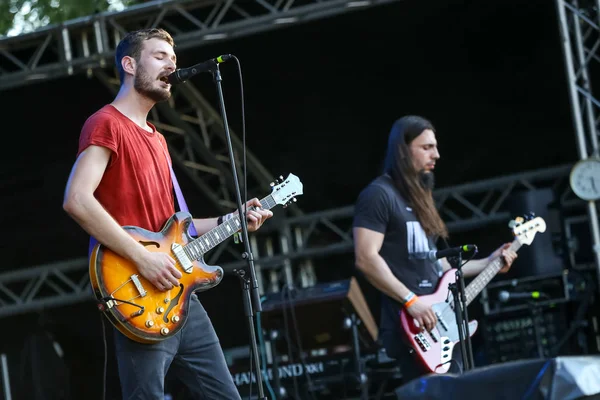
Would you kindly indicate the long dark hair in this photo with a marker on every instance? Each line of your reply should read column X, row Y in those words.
column 399, row 166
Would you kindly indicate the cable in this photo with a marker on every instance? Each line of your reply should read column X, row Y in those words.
column 105, row 358
column 245, row 199
column 243, row 112
column 300, row 349
column 250, row 384
column 261, row 343
column 288, row 339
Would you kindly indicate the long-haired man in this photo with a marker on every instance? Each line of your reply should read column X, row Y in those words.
column 396, row 225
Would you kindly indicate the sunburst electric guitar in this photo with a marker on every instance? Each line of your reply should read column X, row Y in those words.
column 135, row 306
column 434, row 349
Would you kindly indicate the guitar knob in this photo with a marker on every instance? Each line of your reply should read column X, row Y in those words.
column 149, row 324
column 164, row 331
column 160, row 310
column 175, row 319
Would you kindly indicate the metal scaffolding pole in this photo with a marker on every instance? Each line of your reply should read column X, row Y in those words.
column 580, row 39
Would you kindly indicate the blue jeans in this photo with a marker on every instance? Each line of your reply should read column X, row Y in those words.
column 194, row 354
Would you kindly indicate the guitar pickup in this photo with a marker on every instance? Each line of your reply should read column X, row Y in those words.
column 441, row 321
column 182, row 258
column 433, row 336
column 138, row 285
column 422, row 341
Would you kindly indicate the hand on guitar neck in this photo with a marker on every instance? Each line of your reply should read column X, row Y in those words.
column 507, row 254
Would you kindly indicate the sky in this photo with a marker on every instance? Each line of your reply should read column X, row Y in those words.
column 320, row 100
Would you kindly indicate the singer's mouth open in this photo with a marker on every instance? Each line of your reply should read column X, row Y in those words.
column 165, row 79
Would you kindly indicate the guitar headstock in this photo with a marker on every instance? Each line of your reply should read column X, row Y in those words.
column 284, row 191
column 525, row 228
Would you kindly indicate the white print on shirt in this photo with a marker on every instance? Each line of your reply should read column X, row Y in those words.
column 418, row 245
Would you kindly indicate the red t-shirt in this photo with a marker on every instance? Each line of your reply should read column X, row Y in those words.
column 136, row 188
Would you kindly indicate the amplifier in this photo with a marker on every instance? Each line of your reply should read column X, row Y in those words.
column 320, row 316
column 518, row 294
column 523, row 334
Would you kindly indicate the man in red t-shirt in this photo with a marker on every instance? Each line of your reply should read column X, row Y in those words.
column 122, row 177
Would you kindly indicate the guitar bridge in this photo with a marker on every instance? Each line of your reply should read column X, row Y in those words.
column 138, row 285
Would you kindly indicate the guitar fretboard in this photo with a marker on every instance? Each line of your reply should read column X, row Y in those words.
column 198, row 247
column 477, row 285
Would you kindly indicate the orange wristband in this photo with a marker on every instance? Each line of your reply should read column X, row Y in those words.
column 411, row 301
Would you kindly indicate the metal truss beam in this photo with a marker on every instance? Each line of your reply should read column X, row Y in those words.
column 284, row 251
column 87, row 43
column 579, row 22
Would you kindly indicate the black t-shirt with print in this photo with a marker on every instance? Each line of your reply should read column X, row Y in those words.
column 405, row 248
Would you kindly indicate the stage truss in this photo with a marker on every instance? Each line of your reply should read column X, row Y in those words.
column 580, row 38
column 285, row 249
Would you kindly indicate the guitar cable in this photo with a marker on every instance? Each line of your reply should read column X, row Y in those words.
column 105, row 357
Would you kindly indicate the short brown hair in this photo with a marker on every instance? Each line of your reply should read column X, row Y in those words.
column 131, row 45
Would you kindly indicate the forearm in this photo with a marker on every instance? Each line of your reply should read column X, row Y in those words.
column 96, row 221
column 378, row 273
column 474, row 267
column 204, row 225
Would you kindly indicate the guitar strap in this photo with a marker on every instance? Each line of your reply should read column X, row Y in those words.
column 178, row 195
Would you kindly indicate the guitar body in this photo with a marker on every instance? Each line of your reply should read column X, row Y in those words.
column 434, row 349
column 134, row 305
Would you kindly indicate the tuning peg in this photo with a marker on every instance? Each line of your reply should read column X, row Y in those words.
column 530, row 216
column 512, row 224
column 294, row 199
column 281, row 178
column 272, row 184
column 519, row 220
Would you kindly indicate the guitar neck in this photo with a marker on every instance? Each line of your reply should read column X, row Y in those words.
column 198, row 247
column 489, row 272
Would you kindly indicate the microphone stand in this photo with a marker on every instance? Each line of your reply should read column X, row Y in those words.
column 251, row 296
column 462, row 318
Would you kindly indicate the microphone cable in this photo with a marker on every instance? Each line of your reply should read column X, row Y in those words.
column 243, row 114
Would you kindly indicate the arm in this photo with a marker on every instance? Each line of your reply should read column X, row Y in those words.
column 367, row 244
column 474, row 267
column 255, row 218
column 81, row 204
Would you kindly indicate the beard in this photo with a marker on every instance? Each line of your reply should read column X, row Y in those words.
column 427, row 180
column 144, row 84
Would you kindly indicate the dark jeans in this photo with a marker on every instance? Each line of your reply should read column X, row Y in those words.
column 194, row 355
column 407, row 360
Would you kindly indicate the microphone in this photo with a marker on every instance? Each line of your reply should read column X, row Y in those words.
column 452, row 251
column 504, row 296
column 183, row 74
